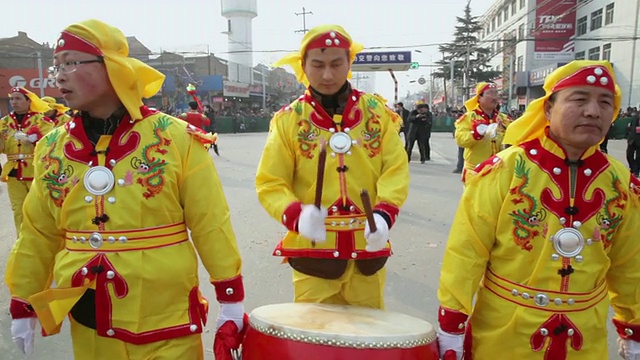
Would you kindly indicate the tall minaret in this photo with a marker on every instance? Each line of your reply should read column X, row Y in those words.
column 239, row 14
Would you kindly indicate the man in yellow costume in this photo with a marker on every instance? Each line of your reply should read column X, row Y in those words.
column 545, row 236
column 335, row 257
column 57, row 112
column 113, row 195
column 19, row 132
column 481, row 129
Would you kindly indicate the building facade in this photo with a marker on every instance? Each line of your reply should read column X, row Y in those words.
column 528, row 39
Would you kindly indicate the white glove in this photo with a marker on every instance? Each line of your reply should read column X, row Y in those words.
column 32, row 138
column 481, row 129
column 20, row 136
column 233, row 312
column 492, row 130
column 378, row 240
column 629, row 349
column 447, row 341
column 311, row 223
column 22, row 332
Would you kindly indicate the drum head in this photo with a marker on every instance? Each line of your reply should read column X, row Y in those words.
column 342, row 325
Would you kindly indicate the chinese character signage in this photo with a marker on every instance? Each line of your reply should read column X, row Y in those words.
column 390, row 57
column 555, row 30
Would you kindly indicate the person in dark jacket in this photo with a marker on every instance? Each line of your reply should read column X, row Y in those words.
column 405, row 125
column 633, row 143
column 420, row 122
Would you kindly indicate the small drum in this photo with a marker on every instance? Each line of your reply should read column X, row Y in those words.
column 334, row 332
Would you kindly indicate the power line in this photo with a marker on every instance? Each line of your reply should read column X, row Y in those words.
column 304, row 14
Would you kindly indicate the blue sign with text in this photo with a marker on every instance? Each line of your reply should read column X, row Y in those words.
column 388, row 57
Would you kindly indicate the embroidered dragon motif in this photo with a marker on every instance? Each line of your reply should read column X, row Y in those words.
column 150, row 167
column 530, row 216
column 307, row 138
column 372, row 139
column 59, row 179
column 610, row 217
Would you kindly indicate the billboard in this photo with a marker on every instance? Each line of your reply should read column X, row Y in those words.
column 28, row 78
column 555, row 30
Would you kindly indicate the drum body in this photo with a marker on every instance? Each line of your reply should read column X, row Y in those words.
column 302, row 331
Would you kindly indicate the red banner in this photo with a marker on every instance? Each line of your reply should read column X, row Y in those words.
column 28, row 78
column 555, row 29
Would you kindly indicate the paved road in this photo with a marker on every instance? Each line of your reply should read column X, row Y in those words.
column 419, row 238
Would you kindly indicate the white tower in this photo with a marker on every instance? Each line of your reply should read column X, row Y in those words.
column 239, row 14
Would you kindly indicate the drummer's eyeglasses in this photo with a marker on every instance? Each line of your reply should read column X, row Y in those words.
column 68, row 67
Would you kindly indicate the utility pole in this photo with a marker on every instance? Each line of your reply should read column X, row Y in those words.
column 444, row 83
column 40, row 73
column 633, row 53
column 510, row 81
column 453, row 88
column 304, row 14
column 466, row 65
column 264, row 90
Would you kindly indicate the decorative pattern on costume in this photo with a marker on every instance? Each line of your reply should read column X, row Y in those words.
column 307, row 138
column 557, row 330
column 58, row 178
column 530, row 216
column 634, row 187
column 610, row 217
column 298, row 107
column 371, row 134
column 150, row 168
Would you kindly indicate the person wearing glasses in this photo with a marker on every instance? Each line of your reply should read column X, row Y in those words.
column 19, row 132
column 114, row 192
column 480, row 130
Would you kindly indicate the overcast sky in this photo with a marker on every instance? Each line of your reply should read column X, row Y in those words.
column 192, row 25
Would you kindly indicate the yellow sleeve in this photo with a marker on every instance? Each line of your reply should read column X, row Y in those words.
column 274, row 177
column 393, row 183
column 472, row 237
column 464, row 136
column 30, row 263
column 207, row 214
column 623, row 276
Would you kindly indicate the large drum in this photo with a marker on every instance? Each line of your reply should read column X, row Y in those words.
column 305, row 331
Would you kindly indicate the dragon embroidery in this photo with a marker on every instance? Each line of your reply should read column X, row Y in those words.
column 307, row 138
column 610, row 217
column 58, row 177
column 372, row 139
column 150, row 167
column 530, row 215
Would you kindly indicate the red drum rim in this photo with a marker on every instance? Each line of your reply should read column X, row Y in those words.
column 394, row 330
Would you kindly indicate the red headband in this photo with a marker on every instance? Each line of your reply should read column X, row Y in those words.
column 588, row 76
column 487, row 86
column 68, row 41
column 330, row 39
column 20, row 90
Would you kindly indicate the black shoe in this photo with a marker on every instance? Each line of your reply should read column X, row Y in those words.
column 457, row 171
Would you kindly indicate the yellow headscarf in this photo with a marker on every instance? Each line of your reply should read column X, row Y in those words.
column 37, row 105
column 131, row 78
column 480, row 88
column 53, row 105
column 294, row 59
column 533, row 122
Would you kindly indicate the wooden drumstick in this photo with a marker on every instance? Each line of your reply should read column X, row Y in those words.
column 366, row 203
column 320, row 179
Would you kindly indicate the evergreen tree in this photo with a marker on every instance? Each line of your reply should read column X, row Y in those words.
column 466, row 43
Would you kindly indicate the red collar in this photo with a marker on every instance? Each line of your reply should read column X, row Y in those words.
column 351, row 116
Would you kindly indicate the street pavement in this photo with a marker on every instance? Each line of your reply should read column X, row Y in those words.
column 419, row 239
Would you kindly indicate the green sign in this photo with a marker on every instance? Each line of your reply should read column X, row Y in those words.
column 414, row 65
